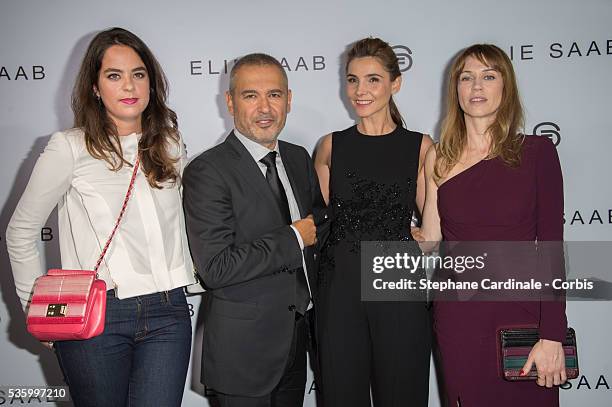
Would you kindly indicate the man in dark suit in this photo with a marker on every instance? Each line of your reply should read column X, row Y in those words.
column 249, row 205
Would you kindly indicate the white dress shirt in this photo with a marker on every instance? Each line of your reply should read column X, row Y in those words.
column 258, row 152
column 149, row 252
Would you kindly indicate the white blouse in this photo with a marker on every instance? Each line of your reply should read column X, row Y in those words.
column 149, row 252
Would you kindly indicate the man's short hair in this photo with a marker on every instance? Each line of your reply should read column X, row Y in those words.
column 257, row 59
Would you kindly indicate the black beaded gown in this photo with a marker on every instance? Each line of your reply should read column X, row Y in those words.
column 382, row 346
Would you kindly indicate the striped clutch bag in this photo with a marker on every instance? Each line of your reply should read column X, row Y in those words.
column 515, row 345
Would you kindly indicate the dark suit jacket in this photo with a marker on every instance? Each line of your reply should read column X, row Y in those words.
column 247, row 257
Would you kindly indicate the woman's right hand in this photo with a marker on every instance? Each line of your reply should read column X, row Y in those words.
column 47, row 344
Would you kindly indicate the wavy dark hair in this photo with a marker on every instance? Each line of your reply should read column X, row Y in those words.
column 506, row 130
column 159, row 123
column 381, row 50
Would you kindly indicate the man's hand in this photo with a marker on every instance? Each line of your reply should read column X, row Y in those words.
column 307, row 230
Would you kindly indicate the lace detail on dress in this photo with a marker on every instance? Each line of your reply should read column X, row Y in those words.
column 375, row 211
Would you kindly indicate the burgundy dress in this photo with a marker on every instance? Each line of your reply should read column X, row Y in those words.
column 494, row 202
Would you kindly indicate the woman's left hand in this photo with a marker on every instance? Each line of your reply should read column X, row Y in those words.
column 549, row 359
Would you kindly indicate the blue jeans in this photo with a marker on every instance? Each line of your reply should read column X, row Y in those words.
column 141, row 359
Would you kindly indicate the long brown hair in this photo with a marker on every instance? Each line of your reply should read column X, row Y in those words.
column 379, row 49
column 159, row 124
column 505, row 131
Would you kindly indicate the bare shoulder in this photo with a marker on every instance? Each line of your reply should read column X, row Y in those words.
column 324, row 147
column 326, row 142
column 431, row 153
column 426, row 142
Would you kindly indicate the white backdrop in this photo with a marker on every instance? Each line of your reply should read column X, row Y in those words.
column 561, row 49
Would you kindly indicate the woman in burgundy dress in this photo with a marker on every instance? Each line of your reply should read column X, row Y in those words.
column 487, row 182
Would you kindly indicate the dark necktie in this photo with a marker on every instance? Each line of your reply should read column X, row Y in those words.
column 276, row 185
column 302, row 293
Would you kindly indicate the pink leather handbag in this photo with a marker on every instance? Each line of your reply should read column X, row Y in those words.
column 71, row 304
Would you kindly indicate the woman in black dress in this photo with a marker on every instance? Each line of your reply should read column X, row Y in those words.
column 371, row 178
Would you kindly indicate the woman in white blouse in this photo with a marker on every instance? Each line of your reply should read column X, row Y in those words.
column 119, row 104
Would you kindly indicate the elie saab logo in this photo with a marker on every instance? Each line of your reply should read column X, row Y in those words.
column 210, row 67
column 562, row 50
column 587, row 217
column 404, row 57
column 22, row 73
column 550, row 130
column 587, row 383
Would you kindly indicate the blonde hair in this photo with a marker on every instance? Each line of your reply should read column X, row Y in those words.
column 505, row 131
